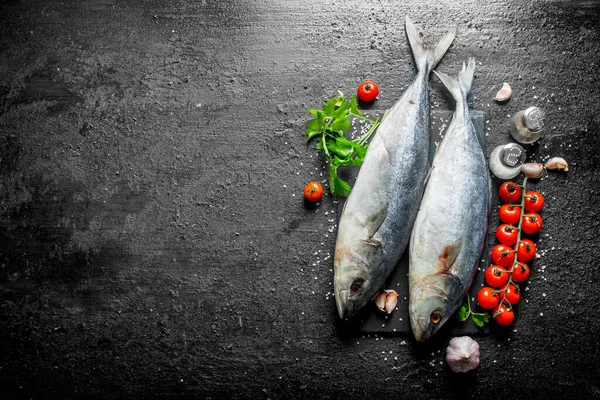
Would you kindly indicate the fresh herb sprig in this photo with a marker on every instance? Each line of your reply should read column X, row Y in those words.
column 464, row 312
column 329, row 128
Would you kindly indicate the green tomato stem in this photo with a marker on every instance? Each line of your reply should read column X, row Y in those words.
column 515, row 261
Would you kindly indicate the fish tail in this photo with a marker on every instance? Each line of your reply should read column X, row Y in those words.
column 425, row 57
column 460, row 86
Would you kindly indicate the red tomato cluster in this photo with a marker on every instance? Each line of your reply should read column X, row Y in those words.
column 509, row 256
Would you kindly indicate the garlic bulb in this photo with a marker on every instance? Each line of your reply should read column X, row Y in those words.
column 462, row 354
column 532, row 170
column 557, row 163
column 386, row 301
column 504, row 93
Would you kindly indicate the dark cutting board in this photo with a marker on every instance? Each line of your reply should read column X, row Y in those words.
column 371, row 320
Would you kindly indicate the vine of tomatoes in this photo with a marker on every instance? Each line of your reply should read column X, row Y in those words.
column 520, row 216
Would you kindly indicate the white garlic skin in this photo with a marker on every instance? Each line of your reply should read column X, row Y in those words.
column 557, row 163
column 386, row 300
column 532, row 170
column 504, row 93
column 462, row 354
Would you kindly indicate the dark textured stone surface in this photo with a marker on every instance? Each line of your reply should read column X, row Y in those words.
column 153, row 237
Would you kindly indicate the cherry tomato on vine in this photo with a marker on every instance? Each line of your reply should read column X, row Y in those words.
column 532, row 223
column 510, row 214
column 487, row 298
column 367, row 91
column 526, row 250
column 513, row 294
column 510, row 192
column 503, row 315
column 496, row 276
column 521, row 272
column 534, row 201
column 503, row 255
column 313, row 191
column 507, row 234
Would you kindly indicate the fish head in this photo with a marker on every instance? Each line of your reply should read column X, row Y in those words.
column 433, row 300
column 358, row 275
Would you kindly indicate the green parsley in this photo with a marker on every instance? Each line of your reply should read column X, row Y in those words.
column 465, row 312
column 329, row 127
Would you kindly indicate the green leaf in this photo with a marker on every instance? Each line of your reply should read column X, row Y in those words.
column 480, row 318
column 477, row 321
column 329, row 107
column 361, row 150
column 354, row 107
column 336, row 184
column 463, row 313
column 340, row 125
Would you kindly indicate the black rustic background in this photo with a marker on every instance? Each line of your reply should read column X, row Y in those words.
column 154, row 241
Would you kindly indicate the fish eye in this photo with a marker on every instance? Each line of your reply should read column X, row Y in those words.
column 435, row 317
column 356, row 285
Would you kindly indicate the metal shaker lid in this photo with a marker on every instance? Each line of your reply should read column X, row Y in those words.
column 533, row 118
column 506, row 160
column 512, row 155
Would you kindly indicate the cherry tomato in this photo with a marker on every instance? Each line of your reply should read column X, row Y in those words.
column 513, row 294
column 534, row 201
column 367, row 91
column 507, row 234
column 504, row 315
column 487, row 298
column 521, row 272
column 313, row 191
column 526, row 250
column 496, row 276
column 532, row 223
column 510, row 192
column 510, row 214
column 503, row 255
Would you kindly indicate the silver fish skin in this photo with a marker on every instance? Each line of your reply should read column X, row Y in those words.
column 449, row 233
column 378, row 215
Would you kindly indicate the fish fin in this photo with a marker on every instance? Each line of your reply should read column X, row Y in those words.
column 448, row 257
column 374, row 221
column 366, row 250
column 460, row 86
column 425, row 58
column 385, row 114
column 427, row 179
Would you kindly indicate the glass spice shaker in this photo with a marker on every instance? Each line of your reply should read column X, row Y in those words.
column 527, row 125
column 506, row 160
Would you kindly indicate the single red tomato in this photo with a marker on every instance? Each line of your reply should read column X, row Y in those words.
column 313, row 191
column 521, row 272
column 534, row 201
column 532, row 223
column 507, row 234
column 512, row 294
column 503, row 255
column 510, row 214
column 510, row 192
column 526, row 250
column 503, row 315
column 496, row 276
column 367, row 91
column 487, row 298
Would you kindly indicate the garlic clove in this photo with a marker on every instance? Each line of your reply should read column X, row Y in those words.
column 462, row 354
column 386, row 300
column 504, row 93
column 380, row 300
column 391, row 301
column 557, row 163
column 532, row 170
